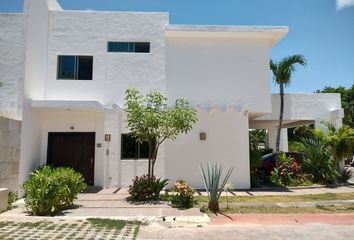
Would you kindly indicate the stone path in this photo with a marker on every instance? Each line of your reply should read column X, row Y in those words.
column 63, row 229
column 113, row 204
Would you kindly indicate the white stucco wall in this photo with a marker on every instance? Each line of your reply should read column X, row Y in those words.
column 137, row 167
column 87, row 33
column 226, row 144
column 219, row 70
column 11, row 65
column 310, row 106
column 205, row 69
column 10, row 132
column 81, row 121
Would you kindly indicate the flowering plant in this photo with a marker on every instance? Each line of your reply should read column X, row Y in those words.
column 183, row 194
column 146, row 188
column 290, row 173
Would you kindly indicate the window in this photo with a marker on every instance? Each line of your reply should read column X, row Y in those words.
column 75, row 67
column 131, row 149
column 136, row 47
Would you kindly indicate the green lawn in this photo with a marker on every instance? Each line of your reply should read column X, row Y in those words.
column 280, row 198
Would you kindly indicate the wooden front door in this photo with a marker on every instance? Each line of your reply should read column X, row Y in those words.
column 75, row 150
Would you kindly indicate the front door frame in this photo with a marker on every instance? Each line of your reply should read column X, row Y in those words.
column 92, row 163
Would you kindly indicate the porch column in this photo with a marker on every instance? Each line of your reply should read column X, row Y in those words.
column 272, row 138
column 112, row 148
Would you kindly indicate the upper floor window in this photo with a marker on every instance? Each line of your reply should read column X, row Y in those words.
column 137, row 47
column 75, row 67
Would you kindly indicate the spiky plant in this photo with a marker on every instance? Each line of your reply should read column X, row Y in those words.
column 213, row 184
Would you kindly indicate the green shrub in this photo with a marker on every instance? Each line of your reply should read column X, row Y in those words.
column 289, row 173
column 49, row 190
column 12, row 197
column 255, row 161
column 183, row 195
column 146, row 188
column 296, row 147
column 319, row 160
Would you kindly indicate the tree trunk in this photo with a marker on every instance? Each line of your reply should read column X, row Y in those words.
column 154, row 157
column 150, row 158
column 214, row 207
column 341, row 164
column 281, row 112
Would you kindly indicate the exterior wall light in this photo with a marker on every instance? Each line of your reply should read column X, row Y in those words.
column 107, row 137
column 202, row 136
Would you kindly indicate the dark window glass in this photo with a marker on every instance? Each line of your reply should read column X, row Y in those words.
column 131, row 149
column 137, row 47
column 75, row 67
column 144, row 150
column 118, row 47
column 85, row 68
column 142, row 47
column 66, row 68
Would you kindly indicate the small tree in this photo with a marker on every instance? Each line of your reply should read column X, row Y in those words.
column 150, row 120
column 341, row 141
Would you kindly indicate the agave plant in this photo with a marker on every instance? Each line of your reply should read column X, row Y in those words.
column 213, row 184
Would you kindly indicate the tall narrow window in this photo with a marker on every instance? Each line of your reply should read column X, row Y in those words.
column 75, row 67
column 136, row 47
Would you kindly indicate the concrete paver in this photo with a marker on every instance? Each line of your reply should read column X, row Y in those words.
column 39, row 229
column 242, row 232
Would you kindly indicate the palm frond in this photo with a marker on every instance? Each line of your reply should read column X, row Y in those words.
column 284, row 69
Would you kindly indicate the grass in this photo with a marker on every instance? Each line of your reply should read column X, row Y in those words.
column 109, row 223
column 278, row 198
column 289, row 210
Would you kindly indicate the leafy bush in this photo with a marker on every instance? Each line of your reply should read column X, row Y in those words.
column 212, row 184
column 319, row 161
column 183, row 195
column 255, row 161
column 12, row 197
column 49, row 190
column 296, row 147
column 290, row 174
column 147, row 188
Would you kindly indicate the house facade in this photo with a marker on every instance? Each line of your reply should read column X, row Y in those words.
column 73, row 67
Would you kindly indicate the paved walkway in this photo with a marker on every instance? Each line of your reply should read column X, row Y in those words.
column 312, row 231
column 276, row 219
column 112, row 203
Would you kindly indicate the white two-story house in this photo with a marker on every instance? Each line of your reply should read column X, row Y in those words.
column 73, row 67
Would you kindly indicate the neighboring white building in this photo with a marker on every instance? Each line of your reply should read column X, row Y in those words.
column 222, row 70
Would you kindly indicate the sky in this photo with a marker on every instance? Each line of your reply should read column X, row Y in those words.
column 321, row 30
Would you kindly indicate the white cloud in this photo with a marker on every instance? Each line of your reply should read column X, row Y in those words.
column 344, row 4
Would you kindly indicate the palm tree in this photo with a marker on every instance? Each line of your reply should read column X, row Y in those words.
column 342, row 142
column 282, row 72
